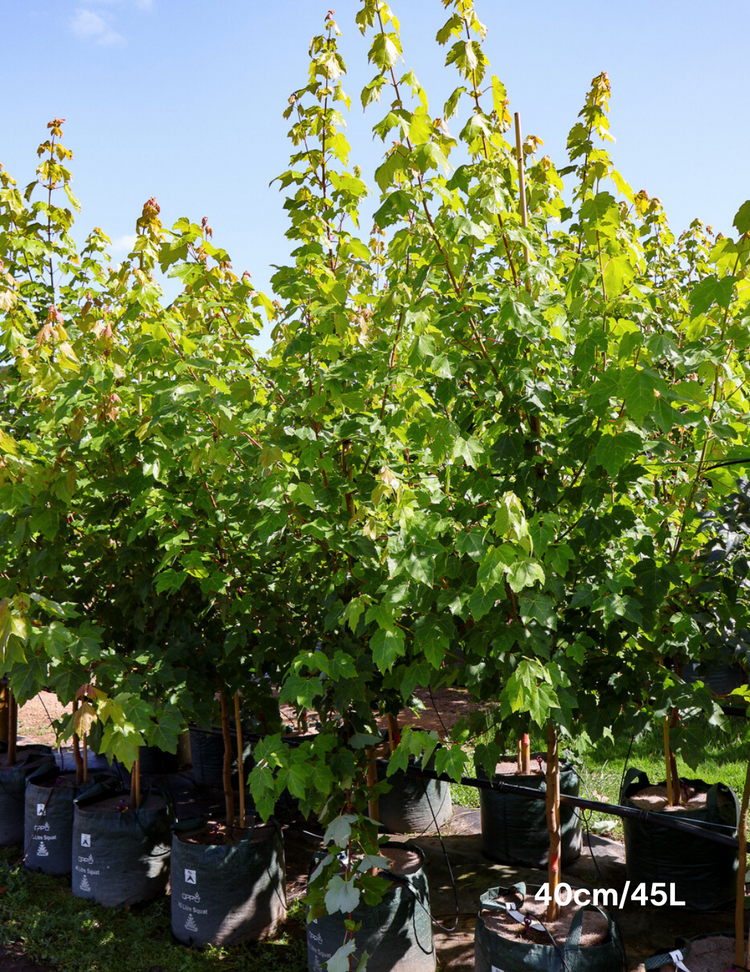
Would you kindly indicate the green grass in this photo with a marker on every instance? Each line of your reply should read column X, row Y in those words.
column 602, row 769
column 53, row 927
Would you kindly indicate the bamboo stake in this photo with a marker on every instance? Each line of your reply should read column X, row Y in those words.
column 521, row 180
column 667, row 753
column 676, row 789
column 4, row 711
column 518, row 757
column 12, row 728
column 392, row 732
column 77, row 751
column 240, row 762
column 135, row 785
column 227, row 771
column 525, row 755
column 739, row 906
column 553, row 820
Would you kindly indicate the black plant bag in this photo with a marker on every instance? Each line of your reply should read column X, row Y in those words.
column 493, row 953
column 396, row 933
column 514, row 828
column 224, row 894
column 48, row 823
column 703, row 873
column 13, row 790
column 120, row 859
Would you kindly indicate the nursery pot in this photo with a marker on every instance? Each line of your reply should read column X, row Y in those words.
column 703, row 873
column 29, row 759
column 48, row 820
column 207, row 756
column 396, row 933
column 514, row 828
column 704, row 953
column 413, row 805
column 120, row 856
column 224, row 894
column 503, row 942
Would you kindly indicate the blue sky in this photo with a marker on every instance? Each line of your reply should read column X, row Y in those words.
column 182, row 100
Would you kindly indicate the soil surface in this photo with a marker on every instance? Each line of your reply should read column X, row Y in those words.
column 594, row 929
column 121, row 804
column 655, row 798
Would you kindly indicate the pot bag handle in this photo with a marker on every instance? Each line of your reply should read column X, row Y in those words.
column 712, row 799
column 633, row 775
column 573, row 941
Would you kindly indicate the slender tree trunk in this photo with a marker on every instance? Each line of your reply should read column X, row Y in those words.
column 240, row 762
column 12, row 728
column 525, row 755
column 77, row 759
column 553, row 820
column 739, row 907
column 4, row 710
column 392, row 732
column 227, row 773
column 135, row 785
column 85, row 746
column 372, row 782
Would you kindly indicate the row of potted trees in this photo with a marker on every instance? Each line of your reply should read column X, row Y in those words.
column 478, row 452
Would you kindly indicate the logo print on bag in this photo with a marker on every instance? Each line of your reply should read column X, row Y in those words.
column 41, row 810
column 85, row 886
column 85, row 840
column 190, row 924
column 41, row 849
column 190, row 877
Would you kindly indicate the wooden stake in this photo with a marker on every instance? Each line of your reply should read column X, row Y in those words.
column 525, row 755
column 518, row 757
column 85, row 758
column 667, row 754
column 240, row 763
column 392, row 732
column 739, row 906
column 135, row 785
column 77, row 751
column 227, row 772
column 4, row 711
column 553, row 820
column 12, row 728
column 521, row 179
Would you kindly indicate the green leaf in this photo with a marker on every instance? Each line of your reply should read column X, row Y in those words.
column 613, row 451
column 637, row 388
column 525, row 573
column 469, row 450
column 341, row 895
column 742, row 219
column 711, row 291
column 450, row 760
column 386, row 647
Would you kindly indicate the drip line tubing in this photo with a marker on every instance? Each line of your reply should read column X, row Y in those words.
column 644, row 816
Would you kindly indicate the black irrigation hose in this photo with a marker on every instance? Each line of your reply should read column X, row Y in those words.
column 644, row 816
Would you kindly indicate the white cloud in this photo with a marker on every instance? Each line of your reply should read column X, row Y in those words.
column 90, row 26
column 122, row 245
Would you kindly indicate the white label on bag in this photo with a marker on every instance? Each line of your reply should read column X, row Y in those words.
column 41, row 850
column 85, row 840
column 84, row 885
column 41, row 810
column 190, row 877
column 190, row 924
